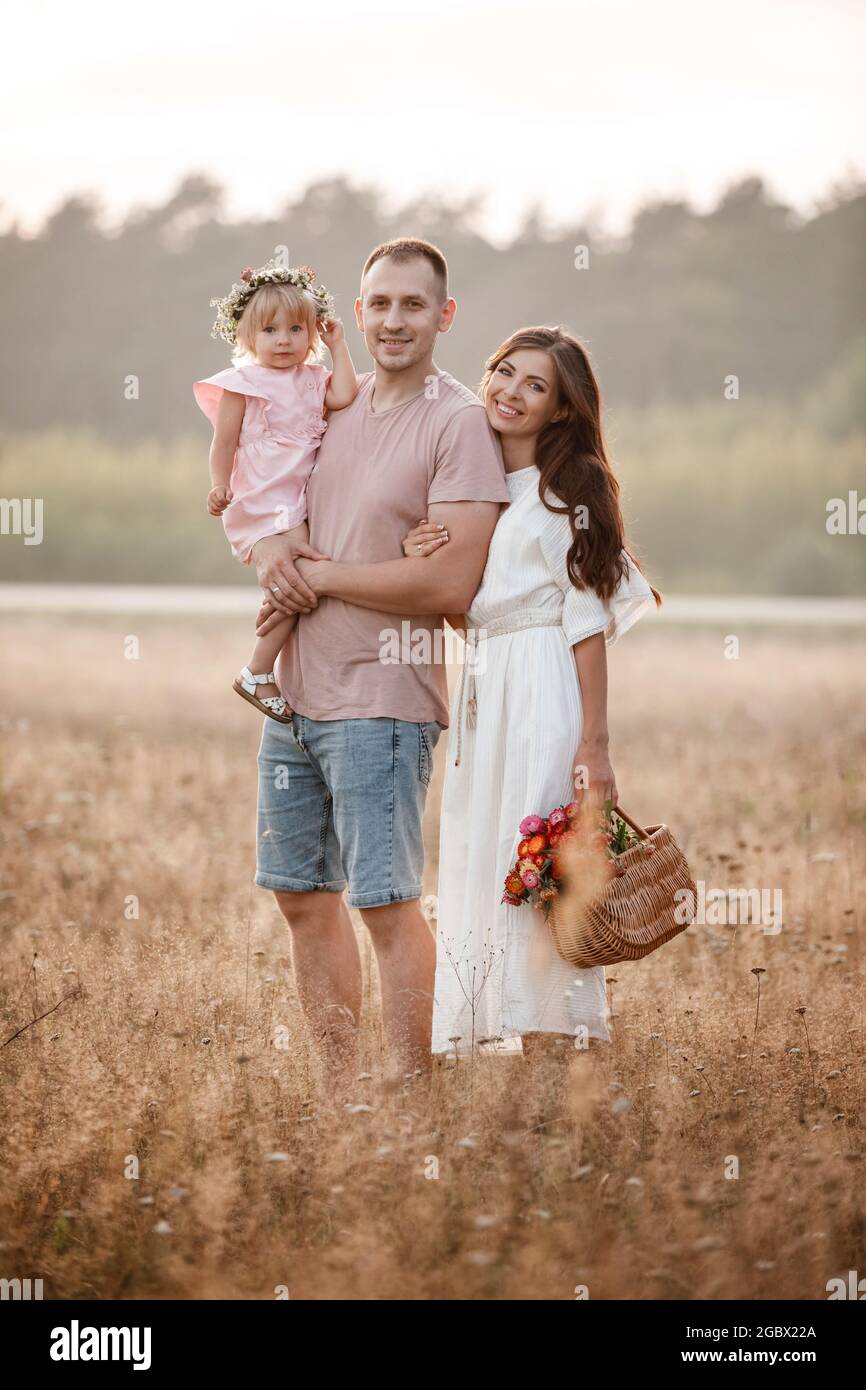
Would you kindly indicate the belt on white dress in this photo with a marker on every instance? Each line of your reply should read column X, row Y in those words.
column 497, row 627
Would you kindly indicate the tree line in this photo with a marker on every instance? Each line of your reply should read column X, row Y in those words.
column 671, row 311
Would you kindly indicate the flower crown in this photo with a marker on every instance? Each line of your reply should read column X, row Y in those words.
column 230, row 308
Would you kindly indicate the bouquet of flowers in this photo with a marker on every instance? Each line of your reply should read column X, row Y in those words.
column 539, row 867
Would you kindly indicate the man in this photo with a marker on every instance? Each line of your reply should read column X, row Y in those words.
column 342, row 789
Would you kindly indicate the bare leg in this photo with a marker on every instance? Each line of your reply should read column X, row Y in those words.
column 406, row 955
column 267, row 648
column 266, row 651
column 328, row 974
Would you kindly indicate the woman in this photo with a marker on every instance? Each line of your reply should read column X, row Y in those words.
column 559, row 586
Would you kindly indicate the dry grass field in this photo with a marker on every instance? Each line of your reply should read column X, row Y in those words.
column 163, row 1132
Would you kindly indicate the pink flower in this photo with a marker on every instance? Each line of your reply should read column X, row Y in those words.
column 531, row 825
column 557, row 817
column 247, row 273
column 530, row 878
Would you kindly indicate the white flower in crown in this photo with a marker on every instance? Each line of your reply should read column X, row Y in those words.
column 231, row 307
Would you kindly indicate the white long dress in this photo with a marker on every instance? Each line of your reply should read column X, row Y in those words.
column 494, row 960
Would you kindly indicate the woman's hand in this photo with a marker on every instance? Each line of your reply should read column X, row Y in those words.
column 424, row 538
column 218, row 499
column 331, row 332
column 593, row 774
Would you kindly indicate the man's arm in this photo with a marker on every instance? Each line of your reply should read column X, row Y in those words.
column 446, row 582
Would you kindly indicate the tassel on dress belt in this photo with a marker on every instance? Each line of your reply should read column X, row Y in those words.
column 498, row 627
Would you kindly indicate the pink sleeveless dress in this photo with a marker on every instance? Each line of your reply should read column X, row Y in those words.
column 281, row 431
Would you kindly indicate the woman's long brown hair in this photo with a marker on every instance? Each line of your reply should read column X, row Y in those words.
column 573, row 462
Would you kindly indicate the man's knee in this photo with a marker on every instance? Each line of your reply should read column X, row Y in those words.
column 390, row 917
column 309, row 910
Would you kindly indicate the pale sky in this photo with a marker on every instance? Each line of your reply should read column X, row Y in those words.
column 585, row 107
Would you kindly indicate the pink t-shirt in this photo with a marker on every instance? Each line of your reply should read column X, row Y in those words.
column 375, row 474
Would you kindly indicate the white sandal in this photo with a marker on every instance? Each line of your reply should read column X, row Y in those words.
column 274, row 706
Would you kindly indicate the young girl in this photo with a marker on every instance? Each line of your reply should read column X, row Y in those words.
column 268, row 414
column 558, row 588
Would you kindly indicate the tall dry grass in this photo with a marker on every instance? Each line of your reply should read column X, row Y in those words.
column 179, row 1050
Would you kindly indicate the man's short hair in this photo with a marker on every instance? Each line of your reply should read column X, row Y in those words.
column 406, row 248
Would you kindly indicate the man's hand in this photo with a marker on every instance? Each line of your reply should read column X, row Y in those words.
column 267, row 618
column 286, row 589
column 269, row 615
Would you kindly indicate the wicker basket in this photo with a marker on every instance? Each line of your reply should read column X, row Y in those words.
column 635, row 913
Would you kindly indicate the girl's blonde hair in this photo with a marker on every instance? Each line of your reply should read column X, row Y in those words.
column 262, row 308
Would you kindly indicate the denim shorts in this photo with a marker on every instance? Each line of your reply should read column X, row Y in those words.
column 341, row 802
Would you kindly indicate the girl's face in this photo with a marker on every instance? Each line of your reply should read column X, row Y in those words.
column 522, row 395
column 284, row 341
